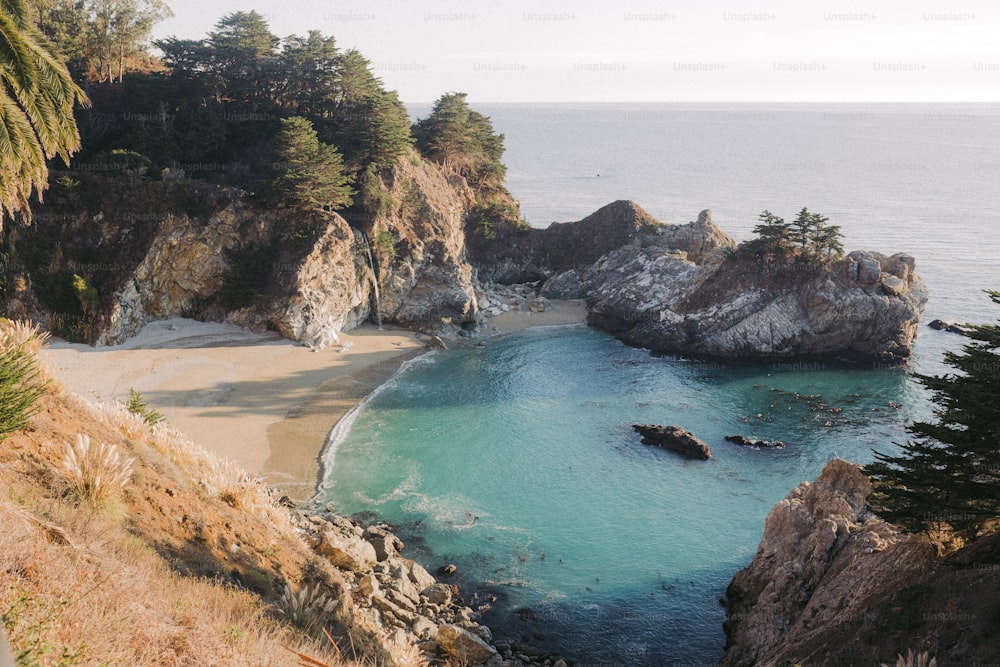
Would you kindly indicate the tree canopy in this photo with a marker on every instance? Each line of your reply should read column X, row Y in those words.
column 100, row 38
column 37, row 97
column 309, row 173
column 460, row 138
column 808, row 237
column 950, row 473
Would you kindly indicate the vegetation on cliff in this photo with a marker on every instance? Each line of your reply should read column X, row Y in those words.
column 806, row 239
column 949, row 476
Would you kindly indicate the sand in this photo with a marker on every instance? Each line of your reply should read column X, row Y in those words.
column 266, row 403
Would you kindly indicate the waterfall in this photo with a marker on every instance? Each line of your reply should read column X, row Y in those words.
column 371, row 265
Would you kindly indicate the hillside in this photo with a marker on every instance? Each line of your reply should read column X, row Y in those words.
column 192, row 561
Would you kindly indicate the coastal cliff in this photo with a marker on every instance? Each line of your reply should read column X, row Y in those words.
column 832, row 584
column 683, row 289
column 110, row 254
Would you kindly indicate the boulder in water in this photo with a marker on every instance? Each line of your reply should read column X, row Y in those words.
column 675, row 439
column 751, row 442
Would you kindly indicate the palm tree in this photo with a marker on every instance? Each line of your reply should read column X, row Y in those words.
column 36, row 110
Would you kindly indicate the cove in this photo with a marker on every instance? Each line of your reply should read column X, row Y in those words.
column 515, row 459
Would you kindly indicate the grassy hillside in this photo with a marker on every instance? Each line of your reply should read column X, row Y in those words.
column 164, row 556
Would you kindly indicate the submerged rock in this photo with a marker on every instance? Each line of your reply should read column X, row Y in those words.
column 675, row 439
column 750, row 442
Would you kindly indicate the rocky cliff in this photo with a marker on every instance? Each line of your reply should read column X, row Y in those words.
column 109, row 254
column 832, row 584
column 681, row 289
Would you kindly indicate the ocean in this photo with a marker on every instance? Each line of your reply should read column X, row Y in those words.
column 516, row 461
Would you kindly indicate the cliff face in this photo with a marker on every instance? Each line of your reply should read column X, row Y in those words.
column 155, row 250
column 426, row 280
column 832, row 584
column 865, row 305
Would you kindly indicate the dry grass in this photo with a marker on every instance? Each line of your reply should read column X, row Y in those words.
column 83, row 586
column 16, row 333
column 914, row 660
column 95, row 473
column 112, row 600
column 308, row 608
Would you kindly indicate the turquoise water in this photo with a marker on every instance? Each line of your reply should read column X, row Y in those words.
column 516, row 461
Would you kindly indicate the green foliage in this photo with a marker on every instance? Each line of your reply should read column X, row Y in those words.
column 309, row 173
column 950, row 474
column 808, row 238
column 86, row 293
column 67, row 183
column 100, row 38
column 137, row 405
column 121, row 160
column 20, row 388
column 372, row 195
column 247, row 276
column 28, row 620
column 385, row 243
column 460, row 138
column 486, row 218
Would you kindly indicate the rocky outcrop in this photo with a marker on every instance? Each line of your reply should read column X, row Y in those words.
column 675, row 439
column 683, row 289
column 832, row 584
column 865, row 305
column 399, row 598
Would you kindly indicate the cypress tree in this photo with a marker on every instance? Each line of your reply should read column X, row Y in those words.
column 950, row 473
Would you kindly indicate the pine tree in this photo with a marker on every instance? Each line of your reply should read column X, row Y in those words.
column 462, row 139
column 772, row 236
column 309, row 172
column 950, row 474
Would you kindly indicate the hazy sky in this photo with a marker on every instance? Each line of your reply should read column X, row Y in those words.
column 639, row 50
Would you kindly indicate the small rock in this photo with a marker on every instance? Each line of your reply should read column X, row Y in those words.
column 675, row 439
column 368, row 585
column 447, row 570
column 439, row 594
column 424, row 628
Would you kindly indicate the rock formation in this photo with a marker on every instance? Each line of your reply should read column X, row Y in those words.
column 675, row 439
column 680, row 289
column 155, row 250
column 832, row 584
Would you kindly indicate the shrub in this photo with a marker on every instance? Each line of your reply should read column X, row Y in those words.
column 96, row 474
column 21, row 381
column 385, row 243
column 138, row 406
column 308, row 607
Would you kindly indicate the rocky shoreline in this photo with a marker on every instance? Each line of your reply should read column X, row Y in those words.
column 410, row 604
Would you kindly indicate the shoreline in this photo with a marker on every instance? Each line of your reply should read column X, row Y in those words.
column 266, row 403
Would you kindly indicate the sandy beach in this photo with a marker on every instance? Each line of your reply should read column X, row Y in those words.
column 264, row 402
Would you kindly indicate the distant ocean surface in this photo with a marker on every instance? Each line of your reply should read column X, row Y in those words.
column 516, row 461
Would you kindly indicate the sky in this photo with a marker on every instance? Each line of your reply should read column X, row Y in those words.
column 651, row 51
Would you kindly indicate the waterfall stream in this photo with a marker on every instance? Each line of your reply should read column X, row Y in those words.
column 371, row 265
